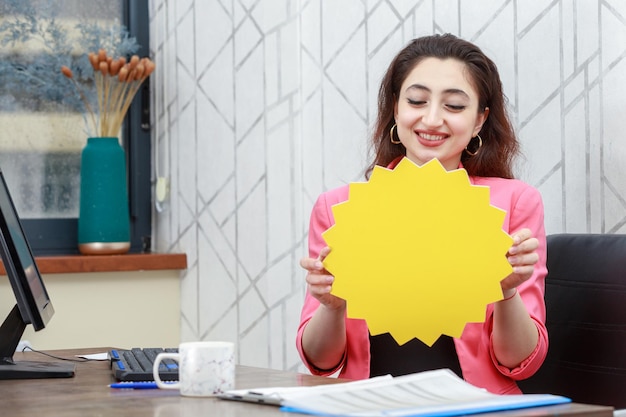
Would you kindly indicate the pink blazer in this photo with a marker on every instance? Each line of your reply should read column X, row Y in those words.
column 524, row 208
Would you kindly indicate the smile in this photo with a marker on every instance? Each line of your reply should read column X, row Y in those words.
column 432, row 137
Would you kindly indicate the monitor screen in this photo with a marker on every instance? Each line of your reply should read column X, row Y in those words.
column 33, row 305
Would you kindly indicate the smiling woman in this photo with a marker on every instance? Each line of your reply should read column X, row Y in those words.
column 43, row 122
column 439, row 93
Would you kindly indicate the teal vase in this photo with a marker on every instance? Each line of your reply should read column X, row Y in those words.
column 104, row 220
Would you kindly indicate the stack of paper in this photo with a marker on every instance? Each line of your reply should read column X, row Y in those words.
column 432, row 393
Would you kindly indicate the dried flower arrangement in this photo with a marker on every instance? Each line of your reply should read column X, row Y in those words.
column 117, row 81
column 53, row 118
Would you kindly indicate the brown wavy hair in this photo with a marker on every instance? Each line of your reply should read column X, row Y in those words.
column 500, row 146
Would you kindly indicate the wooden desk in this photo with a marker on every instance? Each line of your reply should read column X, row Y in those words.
column 87, row 395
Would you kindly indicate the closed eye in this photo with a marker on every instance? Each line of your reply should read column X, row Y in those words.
column 416, row 102
column 456, row 107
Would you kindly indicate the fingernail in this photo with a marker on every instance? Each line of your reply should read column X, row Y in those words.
column 319, row 265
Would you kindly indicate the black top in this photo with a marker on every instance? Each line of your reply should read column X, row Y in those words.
column 387, row 357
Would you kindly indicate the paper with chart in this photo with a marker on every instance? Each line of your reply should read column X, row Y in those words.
column 424, row 394
column 418, row 251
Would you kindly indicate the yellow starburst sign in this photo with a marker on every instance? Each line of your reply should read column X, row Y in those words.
column 417, row 251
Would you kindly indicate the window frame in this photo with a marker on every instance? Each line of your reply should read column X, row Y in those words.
column 59, row 236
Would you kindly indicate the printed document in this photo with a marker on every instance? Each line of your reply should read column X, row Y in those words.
column 431, row 393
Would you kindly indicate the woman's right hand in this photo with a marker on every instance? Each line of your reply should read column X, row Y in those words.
column 320, row 282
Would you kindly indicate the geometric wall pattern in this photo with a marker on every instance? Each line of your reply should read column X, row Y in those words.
column 261, row 105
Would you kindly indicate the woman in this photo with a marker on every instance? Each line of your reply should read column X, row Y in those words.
column 441, row 98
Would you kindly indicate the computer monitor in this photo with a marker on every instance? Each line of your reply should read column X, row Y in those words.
column 33, row 304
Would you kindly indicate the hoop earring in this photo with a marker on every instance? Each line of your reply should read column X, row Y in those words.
column 393, row 128
column 480, row 144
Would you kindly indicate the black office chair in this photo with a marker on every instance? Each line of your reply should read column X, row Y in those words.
column 586, row 320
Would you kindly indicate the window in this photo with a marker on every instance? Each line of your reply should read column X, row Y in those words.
column 41, row 141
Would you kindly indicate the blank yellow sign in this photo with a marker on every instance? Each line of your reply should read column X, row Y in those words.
column 418, row 251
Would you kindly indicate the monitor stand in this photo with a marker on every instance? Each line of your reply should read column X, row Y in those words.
column 10, row 334
column 34, row 370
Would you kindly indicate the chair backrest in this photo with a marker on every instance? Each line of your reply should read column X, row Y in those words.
column 586, row 320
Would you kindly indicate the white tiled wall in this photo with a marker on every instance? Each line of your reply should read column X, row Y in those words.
column 261, row 105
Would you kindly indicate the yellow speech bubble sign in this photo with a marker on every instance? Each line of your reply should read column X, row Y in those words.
column 417, row 251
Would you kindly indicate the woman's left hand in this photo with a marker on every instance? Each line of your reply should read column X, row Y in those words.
column 522, row 256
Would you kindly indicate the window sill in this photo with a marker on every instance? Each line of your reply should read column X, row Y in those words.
column 109, row 263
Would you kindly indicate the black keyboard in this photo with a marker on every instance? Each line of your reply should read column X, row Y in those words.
column 136, row 364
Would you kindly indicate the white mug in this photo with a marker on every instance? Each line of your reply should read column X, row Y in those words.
column 204, row 368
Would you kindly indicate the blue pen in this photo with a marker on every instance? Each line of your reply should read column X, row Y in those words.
column 136, row 385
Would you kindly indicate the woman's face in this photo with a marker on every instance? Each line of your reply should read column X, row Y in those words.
column 437, row 112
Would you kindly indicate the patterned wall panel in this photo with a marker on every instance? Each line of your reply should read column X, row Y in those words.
column 261, row 105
